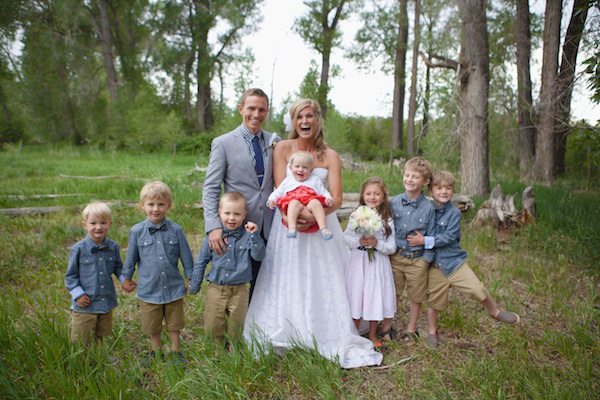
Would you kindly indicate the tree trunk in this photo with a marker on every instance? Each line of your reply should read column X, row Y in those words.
column 425, row 127
column 109, row 63
column 526, row 129
column 412, row 104
column 544, row 146
column 474, row 90
column 399, row 77
column 189, row 63
column 324, row 85
column 203, row 77
column 566, row 77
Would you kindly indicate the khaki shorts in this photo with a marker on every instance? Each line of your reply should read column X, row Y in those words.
column 463, row 279
column 153, row 315
column 412, row 273
column 225, row 302
column 83, row 324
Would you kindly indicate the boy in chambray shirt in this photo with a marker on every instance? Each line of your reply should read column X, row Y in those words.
column 227, row 295
column 412, row 213
column 450, row 268
column 92, row 262
column 156, row 245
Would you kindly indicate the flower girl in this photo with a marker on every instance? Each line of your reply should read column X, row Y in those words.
column 369, row 279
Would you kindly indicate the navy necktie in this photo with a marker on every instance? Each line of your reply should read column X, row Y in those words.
column 259, row 165
column 413, row 203
column 440, row 209
column 102, row 247
column 154, row 229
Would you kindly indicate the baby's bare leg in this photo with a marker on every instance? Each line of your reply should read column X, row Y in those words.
column 316, row 208
column 294, row 209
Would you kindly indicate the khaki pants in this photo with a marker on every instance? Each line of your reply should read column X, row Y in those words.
column 463, row 279
column 412, row 273
column 83, row 324
column 154, row 314
column 225, row 302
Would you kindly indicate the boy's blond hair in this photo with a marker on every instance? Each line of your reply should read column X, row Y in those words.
column 420, row 165
column 97, row 209
column 303, row 154
column 439, row 178
column 156, row 190
column 233, row 197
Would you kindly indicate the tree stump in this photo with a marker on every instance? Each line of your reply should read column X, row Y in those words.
column 501, row 212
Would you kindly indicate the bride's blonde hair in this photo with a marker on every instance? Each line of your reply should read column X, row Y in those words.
column 320, row 145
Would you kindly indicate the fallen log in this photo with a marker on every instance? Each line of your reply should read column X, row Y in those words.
column 63, row 176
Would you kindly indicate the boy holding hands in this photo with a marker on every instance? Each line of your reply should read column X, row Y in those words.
column 412, row 212
column 92, row 261
column 227, row 295
column 156, row 245
column 450, row 268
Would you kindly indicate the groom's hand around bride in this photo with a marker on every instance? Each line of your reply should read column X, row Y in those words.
column 216, row 242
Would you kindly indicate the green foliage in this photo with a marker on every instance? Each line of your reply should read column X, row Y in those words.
column 309, row 87
column 583, row 152
column 592, row 71
column 150, row 127
column 365, row 138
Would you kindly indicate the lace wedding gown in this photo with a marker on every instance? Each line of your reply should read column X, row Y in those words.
column 300, row 296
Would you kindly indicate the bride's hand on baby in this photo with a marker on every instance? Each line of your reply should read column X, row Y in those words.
column 271, row 204
column 329, row 202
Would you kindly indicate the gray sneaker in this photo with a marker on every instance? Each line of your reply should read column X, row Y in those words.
column 507, row 317
column 432, row 341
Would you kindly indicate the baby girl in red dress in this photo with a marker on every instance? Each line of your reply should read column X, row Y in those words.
column 299, row 191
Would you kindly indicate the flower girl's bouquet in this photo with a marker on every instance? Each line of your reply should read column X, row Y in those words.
column 365, row 222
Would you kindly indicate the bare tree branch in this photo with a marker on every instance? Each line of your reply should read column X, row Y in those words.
column 446, row 62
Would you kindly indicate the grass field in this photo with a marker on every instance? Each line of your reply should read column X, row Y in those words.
column 547, row 272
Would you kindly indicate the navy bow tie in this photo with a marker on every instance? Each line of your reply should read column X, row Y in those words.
column 236, row 233
column 102, row 247
column 154, row 229
column 406, row 202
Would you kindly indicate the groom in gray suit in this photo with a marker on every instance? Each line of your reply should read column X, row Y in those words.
column 241, row 161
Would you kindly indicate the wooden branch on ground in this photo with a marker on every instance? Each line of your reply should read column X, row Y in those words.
column 397, row 363
column 40, row 196
column 17, row 212
column 94, row 177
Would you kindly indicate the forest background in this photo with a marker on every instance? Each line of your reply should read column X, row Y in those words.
column 136, row 90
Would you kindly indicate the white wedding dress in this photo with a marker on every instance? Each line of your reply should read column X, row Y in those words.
column 300, row 296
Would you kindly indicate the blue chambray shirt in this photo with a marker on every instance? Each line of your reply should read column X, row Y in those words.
column 232, row 267
column 157, row 258
column 91, row 274
column 448, row 254
column 408, row 218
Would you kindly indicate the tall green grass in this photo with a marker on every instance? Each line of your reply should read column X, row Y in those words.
column 547, row 272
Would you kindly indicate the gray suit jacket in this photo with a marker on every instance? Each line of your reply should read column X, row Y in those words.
column 232, row 168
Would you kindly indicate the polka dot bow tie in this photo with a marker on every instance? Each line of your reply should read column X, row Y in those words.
column 102, row 247
column 236, row 233
column 406, row 202
column 154, row 229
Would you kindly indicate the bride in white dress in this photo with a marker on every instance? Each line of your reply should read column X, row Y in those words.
column 300, row 297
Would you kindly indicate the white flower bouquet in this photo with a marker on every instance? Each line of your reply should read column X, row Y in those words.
column 365, row 221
